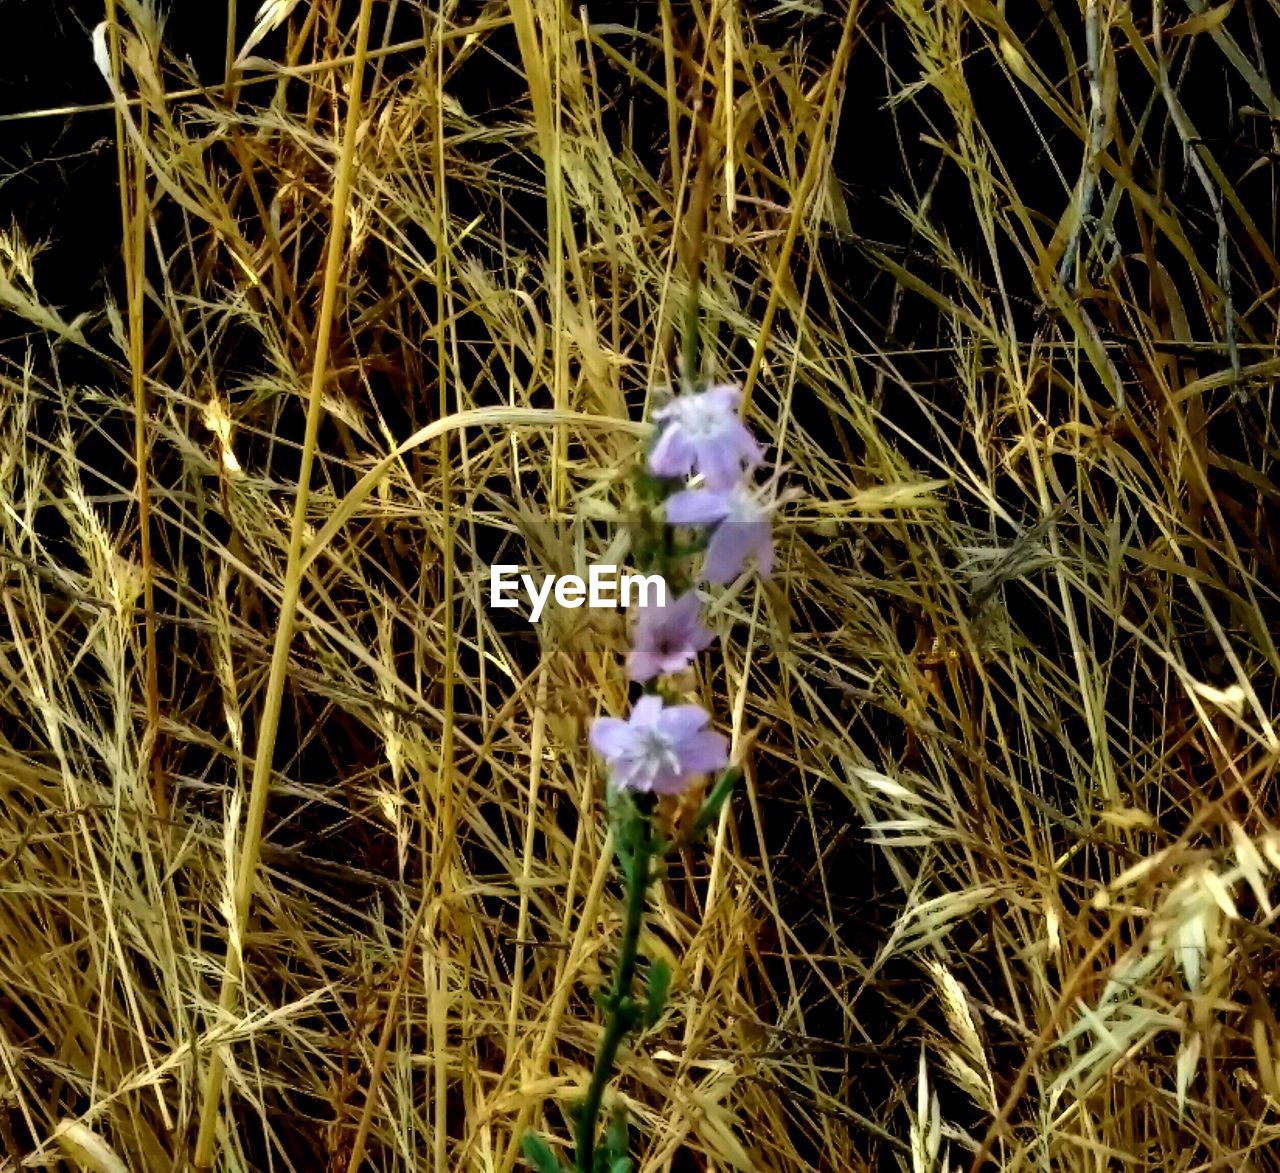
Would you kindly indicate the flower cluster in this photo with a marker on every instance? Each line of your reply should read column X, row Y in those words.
column 703, row 434
column 661, row 747
column 696, row 479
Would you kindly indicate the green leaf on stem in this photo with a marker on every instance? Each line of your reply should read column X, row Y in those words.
column 714, row 801
column 628, row 1013
column 659, row 988
column 615, row 1139
column 538, row 1153
column 624, row 819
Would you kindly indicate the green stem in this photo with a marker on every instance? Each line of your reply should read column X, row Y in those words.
column 621, row 1013
column 621, row 1010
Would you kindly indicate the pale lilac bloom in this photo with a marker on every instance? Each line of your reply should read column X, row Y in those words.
column 667, row 639
column 742, row 528
column 703, row 433
column 660, row 749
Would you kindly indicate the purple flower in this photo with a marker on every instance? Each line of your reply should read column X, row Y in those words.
column 661, row 748
column 667, row 638
column 742, row 528
column 703, row 433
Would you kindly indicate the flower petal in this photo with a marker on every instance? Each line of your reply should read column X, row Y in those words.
column 681, row 623
column 672, row 455
column 764, row 550
column 683, row 612
column 643, row 665
column 726, row 552
column 705, row 752
column 719, row 463
column 676, row 661
column 632, row 775
column 647, row 711
column 610, row 737
column 669, row 782
column 749, row 450
column 697, row 507
column 726, row 396
column 681, row 722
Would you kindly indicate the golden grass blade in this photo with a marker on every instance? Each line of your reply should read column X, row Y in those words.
column 259, row 787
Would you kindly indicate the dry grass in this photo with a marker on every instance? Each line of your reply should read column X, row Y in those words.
column 997, row 889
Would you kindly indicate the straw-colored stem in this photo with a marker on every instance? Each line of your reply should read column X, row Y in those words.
column 134, row 214
column 445, row 816
column 384, row 1042
column 817, row 164
column 246, row 872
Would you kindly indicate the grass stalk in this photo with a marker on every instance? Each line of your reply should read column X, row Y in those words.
column 135, row 213
column 814, row 169
column 1001, row 881
column 260, row 786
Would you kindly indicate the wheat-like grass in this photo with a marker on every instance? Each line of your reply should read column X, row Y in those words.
column 304, row 862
